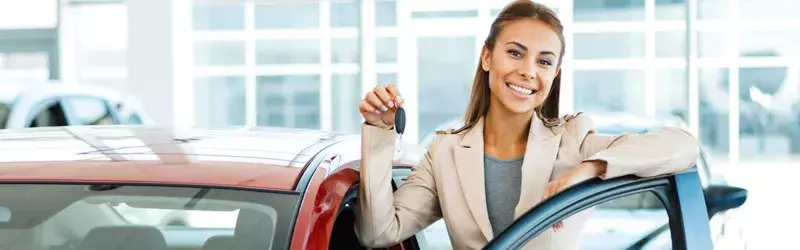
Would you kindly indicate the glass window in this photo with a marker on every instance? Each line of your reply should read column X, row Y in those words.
column 218, row 16
column 769, row 8
column 671, row 10
column 385, row 13
column 5, row 111
column 714, row 44
column 713, row 83
column 219, row 101
column 610, row 91
column 672, row 93
column 287, row 15
column 386, row 49
column 445, row 68
column 134, row 119
column 344, row 14
column 671, row 44
column 289, row 101
column 26, row 60
column 620, row 223
column 51, row 116
column 768, row 122
column 219, row 53
column 28, row 14
column 444, row 14
column 345, row 50
column 157, row 217
column 713, row 9
column 387, row 78
column 88, row 111
column 609, row 45
column 346, row 95
column 288, row 51
column 781, row 43
column 603, row 10
column 104, row 58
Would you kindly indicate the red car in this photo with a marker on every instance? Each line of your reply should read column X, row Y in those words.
column 109, row 187
column 148, row 188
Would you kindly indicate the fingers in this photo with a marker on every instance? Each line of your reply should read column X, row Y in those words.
column 365, row 107
column 376, row 102
column 395, row 93
column 384, row 96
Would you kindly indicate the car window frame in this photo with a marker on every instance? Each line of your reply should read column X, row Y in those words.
column 681, row 194
column 43, row 105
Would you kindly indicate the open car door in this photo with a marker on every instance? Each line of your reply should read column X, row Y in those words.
column 681, row 194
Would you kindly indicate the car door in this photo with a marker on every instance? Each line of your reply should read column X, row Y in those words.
column 681, row 196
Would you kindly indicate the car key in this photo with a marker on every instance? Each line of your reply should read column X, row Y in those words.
column 400, row 122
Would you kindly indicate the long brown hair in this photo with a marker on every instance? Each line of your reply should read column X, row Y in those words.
column 479, row 98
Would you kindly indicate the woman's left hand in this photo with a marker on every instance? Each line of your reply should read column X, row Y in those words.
column 586, row 170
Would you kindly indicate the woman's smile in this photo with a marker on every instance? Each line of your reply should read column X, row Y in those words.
column 521, row 91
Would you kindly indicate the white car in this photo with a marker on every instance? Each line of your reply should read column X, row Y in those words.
column 54, row 104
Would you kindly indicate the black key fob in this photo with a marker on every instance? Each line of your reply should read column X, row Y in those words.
column 400, row 120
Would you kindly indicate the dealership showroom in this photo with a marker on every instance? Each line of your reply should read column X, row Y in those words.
column 113, row 75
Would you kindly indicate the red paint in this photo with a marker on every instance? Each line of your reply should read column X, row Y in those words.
column 255, row 176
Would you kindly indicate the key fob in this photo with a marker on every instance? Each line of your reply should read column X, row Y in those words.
column 400, row 120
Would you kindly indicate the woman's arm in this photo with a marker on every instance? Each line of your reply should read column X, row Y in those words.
column 663, row 151
column 384, row 218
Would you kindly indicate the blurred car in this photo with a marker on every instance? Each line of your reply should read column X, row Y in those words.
column 640, row 222
column 97, row 187
column 53, row 104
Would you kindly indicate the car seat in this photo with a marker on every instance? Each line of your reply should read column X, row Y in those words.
column 123, row 238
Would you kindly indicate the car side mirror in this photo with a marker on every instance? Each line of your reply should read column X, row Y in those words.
column 722, row 198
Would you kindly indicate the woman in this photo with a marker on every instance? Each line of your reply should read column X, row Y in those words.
column 512, row 153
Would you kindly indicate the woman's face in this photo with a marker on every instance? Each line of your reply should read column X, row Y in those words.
column 522, row 64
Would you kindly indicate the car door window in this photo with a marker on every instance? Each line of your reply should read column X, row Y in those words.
column 434, row 236
column 622, row 222
column 89, row 111
column 51, row 116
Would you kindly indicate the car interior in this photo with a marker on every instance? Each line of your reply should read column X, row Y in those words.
column 73, row 220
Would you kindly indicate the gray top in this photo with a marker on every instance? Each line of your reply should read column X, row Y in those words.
column 503, row 179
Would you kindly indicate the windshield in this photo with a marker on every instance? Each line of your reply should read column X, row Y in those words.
column 142, row 217
column 5, row 111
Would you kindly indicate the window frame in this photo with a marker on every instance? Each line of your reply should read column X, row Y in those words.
column 681, row 193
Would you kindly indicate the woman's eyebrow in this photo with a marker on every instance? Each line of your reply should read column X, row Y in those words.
column 519, row 45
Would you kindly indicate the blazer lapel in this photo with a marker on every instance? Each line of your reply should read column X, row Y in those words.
column 469, row 160
column 537, row 166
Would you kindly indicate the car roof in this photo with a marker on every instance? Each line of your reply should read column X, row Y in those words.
column 262, row 158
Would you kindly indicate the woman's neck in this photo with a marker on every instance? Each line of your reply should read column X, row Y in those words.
column 503, row 127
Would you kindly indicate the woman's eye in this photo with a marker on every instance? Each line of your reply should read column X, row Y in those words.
column 515, row 53
column 545, row 62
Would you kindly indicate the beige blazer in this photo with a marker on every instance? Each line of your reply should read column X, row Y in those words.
column 449, row 181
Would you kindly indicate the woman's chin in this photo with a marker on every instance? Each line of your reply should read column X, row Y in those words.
column 519, row 108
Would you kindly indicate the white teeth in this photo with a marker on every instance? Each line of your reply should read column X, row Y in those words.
column 521, row 90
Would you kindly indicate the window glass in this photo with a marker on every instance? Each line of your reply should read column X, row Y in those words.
column 672, row 10
column 385, row 13
column 218, row 16
column 51, row 116
column 671, row 44
column 288, row 51
column 346, row 94
column 152, row 217
column 344, row 14
column 620, row 223
column 672, row 93
column 386, row 49
column 768, row 125
column 88, row 111
column 134, row 119
column 609, row 45
column 219, row 101
column 289, row 101
column 219, row 53
column 5, row 111
column 713, row 9
column 445, row 67
column 345, row 50
column 610, row 91
column 776, row 9
column 603, row 10
column 287, row 14
column 714, row 109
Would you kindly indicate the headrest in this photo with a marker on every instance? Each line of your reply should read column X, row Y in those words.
column 219, row 242
column 124, row 238
column 254, row 230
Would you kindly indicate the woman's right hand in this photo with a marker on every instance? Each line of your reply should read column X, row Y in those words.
column 379, row 105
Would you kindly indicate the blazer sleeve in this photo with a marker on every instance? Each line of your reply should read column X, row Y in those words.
column 665, row 150
column 384, row 218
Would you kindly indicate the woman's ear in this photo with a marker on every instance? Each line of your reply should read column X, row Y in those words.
column 486, row 56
